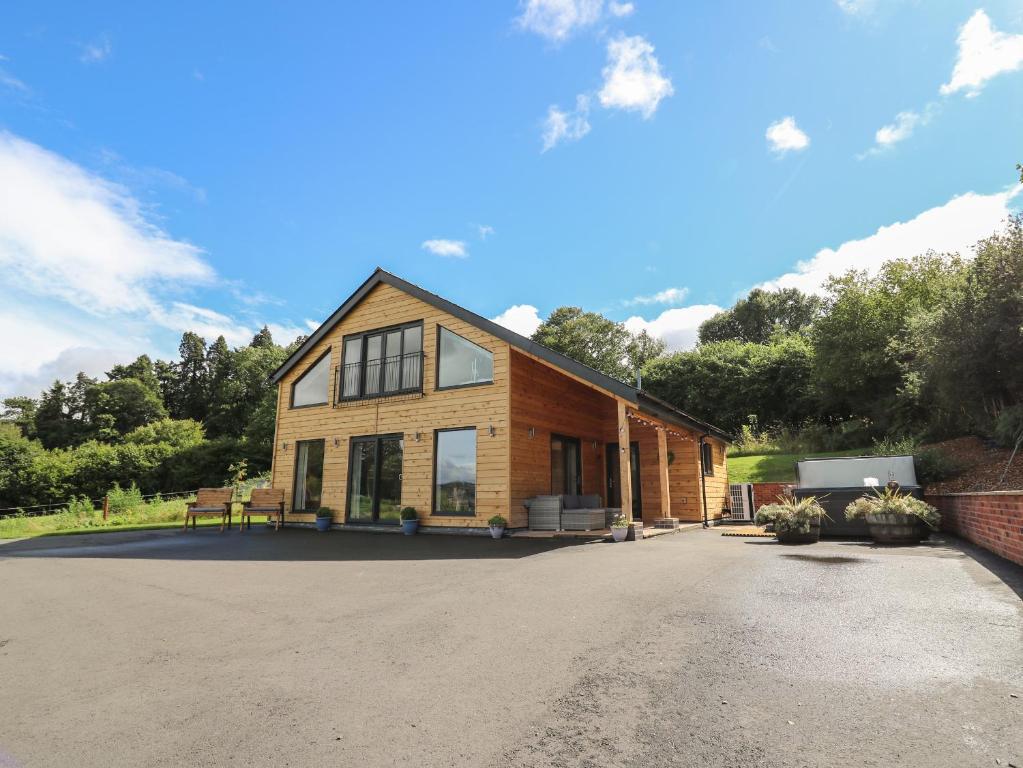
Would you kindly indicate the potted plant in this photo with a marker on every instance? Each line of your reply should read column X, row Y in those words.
column 497, row 525
column 324, row 517
column 619, row 527
column 409, row 520
column 894, row 517
column 795, row 522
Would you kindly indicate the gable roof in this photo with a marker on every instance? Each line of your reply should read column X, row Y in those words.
column 644, row 401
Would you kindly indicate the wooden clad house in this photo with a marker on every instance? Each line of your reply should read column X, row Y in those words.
column 402, row 398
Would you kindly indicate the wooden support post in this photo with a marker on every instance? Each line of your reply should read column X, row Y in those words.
column 106, row 506
column 662, row 472
column 624, row 461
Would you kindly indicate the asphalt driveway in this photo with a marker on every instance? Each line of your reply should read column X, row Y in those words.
column 305, row 649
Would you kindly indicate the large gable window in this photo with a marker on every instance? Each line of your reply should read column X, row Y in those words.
column 460, row 363
column 382, row 362
column 312, row 386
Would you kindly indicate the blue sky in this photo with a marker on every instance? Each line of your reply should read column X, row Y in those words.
column 215, row 167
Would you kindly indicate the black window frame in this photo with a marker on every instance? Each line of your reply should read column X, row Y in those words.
column 436, row 373
column 306, row 372
column 294, row 475
column 433, row 483
column 707, row 459
column 578, row 463
column 363, row 336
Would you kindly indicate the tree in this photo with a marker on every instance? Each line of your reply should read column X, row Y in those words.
column 263, row 339
column 21, row 411
column 142, row 369
column 868, row 341
column 596, row 341
column 973, row 363
column 727, row 382
column 192, row 388
column 223, row 392
column 761, row 314
column 115, row 408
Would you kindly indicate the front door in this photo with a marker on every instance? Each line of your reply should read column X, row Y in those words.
column 614, row 473
column 374, row 479
column 566, row 466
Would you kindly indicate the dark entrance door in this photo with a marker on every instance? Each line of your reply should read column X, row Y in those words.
column 374, row 479
column 566, row 466
column 614, row 491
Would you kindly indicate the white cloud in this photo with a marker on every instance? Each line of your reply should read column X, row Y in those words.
column 857, row 7
column 984, row 53
column 679, row 328
column 71, row 235
column 632, row 77
column 562, row 126
column 785, row 136
column 667, row 296
column 524, row 319
column 558, row 19
column 449, row 248
column 10, row 81
column 621, row 9
column 96, row 51
column 88, row 279
column 485, row 231
column 955, row 226
column 900, row 130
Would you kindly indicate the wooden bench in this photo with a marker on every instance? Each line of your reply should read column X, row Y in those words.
column 264, row 501
column 210, row 502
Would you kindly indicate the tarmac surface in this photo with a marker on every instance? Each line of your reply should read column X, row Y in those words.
column 165, row 648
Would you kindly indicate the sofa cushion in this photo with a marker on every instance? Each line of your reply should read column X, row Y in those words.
column 569, row 501
column 589, row 502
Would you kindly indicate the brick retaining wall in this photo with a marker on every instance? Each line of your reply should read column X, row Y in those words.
column 768, row 493
column 991, row 520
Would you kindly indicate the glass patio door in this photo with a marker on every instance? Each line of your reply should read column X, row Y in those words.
column 614, row 491
column 374, row 479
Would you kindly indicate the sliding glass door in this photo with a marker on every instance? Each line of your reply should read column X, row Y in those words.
column 374, row 479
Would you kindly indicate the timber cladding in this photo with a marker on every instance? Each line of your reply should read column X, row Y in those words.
column 549, row 402
column 479, row 406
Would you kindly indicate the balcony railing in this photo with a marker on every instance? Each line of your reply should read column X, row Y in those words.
column 382, row 377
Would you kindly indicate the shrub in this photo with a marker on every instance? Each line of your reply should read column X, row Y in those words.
column 788, row 514
column 620, row 521
column 497, row 521
column 892, row 502
column 933, row 465
column 1009, row 426
column 123, row 500
column 895, row 446
column 324, row 512
column 409, row 513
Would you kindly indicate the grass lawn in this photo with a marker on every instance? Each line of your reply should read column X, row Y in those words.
column 161, row 514
column 774, row 467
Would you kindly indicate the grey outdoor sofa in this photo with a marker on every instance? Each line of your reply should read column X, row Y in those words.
column 566, row 513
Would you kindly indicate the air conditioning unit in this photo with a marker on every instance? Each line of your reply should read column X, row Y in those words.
column 741, row 495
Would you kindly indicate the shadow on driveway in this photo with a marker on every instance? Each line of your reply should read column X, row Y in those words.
column 290, row 544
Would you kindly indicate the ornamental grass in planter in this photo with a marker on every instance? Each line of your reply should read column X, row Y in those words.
column 795, row 522
column 409, row 520
column 894, row 517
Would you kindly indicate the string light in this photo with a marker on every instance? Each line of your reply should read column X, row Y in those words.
column 659, row 427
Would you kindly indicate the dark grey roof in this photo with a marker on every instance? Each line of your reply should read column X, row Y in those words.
column 643, row 400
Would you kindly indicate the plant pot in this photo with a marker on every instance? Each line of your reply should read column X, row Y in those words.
column 323, row 523
column 890, row 528
column 409, row 527
column 792, row 536
column 619, row 534
column 497, row 531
